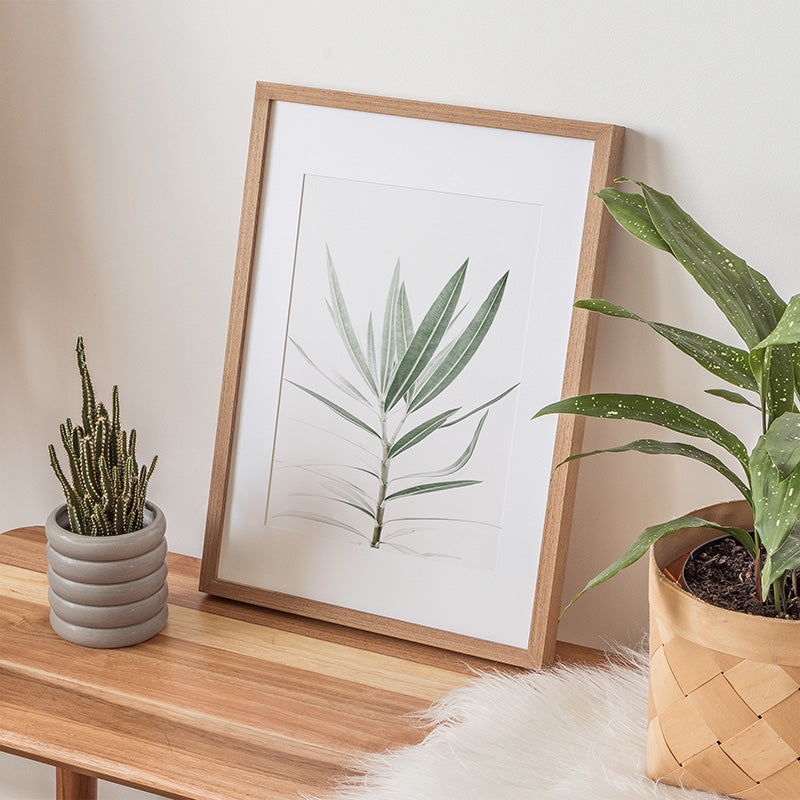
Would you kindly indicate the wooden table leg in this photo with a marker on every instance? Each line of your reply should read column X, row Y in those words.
column 74, row 786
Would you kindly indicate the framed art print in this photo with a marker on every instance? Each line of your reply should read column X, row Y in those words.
column 402, row 305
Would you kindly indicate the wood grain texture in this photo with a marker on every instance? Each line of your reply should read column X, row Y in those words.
column 237, row 326
column 577, row 379
column 74, row 786
column 228, row 702
column 558, row 515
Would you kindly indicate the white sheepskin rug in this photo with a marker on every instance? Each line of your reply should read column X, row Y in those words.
column 571, row 733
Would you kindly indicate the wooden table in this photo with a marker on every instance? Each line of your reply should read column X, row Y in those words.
column 228, row 702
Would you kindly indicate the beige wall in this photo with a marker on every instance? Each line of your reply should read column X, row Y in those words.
column 124, row 132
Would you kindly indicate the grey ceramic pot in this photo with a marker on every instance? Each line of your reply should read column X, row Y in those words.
column 107, row 591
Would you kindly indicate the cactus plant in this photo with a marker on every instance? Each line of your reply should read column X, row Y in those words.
column 108, row 489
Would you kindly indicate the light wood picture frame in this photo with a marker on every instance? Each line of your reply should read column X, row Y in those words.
column 401, row 254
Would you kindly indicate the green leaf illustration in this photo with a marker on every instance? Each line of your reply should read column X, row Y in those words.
column 320, row 518
column 422, row 431
column 335, row 379
column 390, row 324
column 427, row 488
column 341, row 317
column 407, row 369
column 338, row 409
column 462, row 350
column 459, row 463
column 480, row 408
column 423, row 346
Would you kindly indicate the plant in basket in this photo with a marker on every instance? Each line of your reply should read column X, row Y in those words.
column 106, row 549
column 724, row 685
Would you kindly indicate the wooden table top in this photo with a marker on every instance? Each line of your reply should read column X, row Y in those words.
column 229, row 702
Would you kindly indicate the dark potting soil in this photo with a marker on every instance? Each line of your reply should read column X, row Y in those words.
column 723, row 574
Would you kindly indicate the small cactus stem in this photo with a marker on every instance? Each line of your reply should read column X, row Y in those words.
column 90, row 488
column 127, row 478
column 132, row 449
column 72, row 457
column 100, row 442
column 115, row 407
column 102, row 522
column 69, row 492
column 122, row 447
column 119, row 516
column 89, row 409
column 74, row 521
column 106, row 480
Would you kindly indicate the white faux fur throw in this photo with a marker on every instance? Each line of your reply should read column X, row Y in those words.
column 566, row 733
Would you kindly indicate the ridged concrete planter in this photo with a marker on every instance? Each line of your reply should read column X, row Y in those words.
column 724, row 686
column 107, row 591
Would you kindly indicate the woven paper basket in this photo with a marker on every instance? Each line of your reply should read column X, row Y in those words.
column 724, row 687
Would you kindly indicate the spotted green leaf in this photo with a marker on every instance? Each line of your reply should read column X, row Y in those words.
column 630, row 211
column 654, row 447
column 650, row 409
column 649, row 537
column 786, row 558
column 776, row 506
column 787, row 331
column 729, row 363
column 782, row 442
column 732, row 397
column 774, row 372
column 721, row 274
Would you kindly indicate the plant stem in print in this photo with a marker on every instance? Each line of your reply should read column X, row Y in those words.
column 395, row 376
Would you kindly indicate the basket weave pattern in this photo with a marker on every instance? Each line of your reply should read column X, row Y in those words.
column 722, row 723
column 724, row 711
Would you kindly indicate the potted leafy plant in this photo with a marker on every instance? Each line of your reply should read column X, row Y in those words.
column 724, row 685
column 106, row 549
